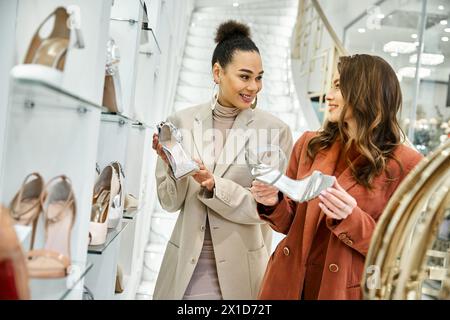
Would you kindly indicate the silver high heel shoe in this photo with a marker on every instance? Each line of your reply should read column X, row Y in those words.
column 170, row 138
column 267, row 167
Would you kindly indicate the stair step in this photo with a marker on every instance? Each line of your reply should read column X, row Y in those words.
column 214, row 19
column 261, row 33
column 220, row 11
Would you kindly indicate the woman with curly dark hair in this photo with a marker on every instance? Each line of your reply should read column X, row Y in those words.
column 327, row 238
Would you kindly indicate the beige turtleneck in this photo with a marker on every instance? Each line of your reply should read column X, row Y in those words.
column 223, row 119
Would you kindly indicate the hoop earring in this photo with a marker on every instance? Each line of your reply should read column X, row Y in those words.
column 254, row 103
column 215, row 97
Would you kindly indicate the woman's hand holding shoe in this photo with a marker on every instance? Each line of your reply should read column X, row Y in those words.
column 336, row 202
column 264, row 193
column 204, row 177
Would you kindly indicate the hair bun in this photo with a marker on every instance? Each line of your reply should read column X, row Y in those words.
column 231, row 29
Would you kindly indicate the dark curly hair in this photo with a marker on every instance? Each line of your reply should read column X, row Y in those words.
column 231, row 36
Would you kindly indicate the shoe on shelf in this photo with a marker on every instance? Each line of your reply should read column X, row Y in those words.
column 170, row 139
column 131, row 203
column 98, row 226
column 26, row 205
column 58, row 207
column 13, row 268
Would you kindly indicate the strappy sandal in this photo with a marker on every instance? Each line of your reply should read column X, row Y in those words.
column 26, row 205
column 58, row 205
column 13, row 270
column 98, row 226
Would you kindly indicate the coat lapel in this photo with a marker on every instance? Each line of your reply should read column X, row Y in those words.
column 235, row 142
column 202, row 133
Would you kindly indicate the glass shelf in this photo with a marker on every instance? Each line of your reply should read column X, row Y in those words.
column 131, row 214
column 36, row 93
column 111, row 235
column 116, row 117
column 60, row 288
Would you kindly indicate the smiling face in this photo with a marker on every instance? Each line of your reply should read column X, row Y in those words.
column 241, row 79
column 335, row 100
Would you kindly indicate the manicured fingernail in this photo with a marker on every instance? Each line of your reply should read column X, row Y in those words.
column 323, row 192
column 329, row 189
column 320, row 197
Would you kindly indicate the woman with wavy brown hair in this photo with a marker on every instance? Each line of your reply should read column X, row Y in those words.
column 361, row 144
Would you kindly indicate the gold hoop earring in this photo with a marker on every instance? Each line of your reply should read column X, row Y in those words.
column 254, row 103
column 215, row 97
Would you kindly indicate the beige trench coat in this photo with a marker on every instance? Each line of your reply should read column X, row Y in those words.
column 241, row 240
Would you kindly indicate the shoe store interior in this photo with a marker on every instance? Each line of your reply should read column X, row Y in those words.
column 86, row 85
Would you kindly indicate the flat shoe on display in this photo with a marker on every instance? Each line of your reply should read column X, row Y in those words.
column 26, row 205
column 170, row 139
column 13, row 270
column 58, row 206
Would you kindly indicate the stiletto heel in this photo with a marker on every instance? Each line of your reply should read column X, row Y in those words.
column 58, row 205
column 170, row 139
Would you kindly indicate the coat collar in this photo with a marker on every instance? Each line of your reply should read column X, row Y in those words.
column 202, row 133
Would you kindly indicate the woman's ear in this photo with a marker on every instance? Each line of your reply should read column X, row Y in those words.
column 216, row 72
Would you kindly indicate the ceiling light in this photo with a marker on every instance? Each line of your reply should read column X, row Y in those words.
column 380, row 16
column 235, row 4
column 428, row 59
column 414, row 36
column 394, row 54
column 410, row 72
column 447, row 30
column 399, row 47
column 441, row 7
column 445, row 39
column 443, row 22
column 361, row 30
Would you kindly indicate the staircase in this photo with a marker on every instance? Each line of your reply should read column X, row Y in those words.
column 272, row 24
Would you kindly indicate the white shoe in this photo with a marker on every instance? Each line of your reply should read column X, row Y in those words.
column 170, row 138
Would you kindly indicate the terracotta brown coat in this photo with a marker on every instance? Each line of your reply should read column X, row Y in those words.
column 350, row 238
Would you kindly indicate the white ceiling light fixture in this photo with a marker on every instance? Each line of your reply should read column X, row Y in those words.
column 445, row 39
column 428, row 59
column 235, row 4
column 380, row 16
column 410, row 72
column 414, row 36
column 399, row 47
column 394, row 54
column 361, row 30
column 441, row 7
column 447, row 30
column 444, row 22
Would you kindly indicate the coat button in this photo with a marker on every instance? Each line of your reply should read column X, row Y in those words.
column 286, row 251
column 342, row 236
column 349, row 242
column 202, row 227
column 333, row 267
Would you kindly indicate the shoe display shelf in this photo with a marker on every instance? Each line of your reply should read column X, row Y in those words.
column 138, row 174
column 53, row 132
column 53, row 129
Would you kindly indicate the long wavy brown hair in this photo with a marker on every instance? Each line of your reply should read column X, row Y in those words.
column 371, row 91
